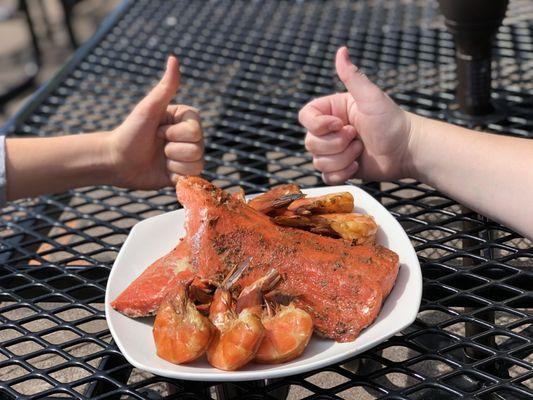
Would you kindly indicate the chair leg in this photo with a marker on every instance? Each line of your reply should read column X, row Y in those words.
column 46, row 21
column 29, row 80
column 23, row 5
column 67, row 19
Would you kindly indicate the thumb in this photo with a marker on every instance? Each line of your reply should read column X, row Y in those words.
column 156, row 102
column 360, row 87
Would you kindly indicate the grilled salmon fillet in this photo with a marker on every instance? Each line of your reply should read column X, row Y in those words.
column 341, row 285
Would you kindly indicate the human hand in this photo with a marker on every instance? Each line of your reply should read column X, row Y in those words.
column 157, row 142
column 360, row 133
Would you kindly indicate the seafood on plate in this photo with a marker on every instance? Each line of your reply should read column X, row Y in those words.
column 332, row 283
column 239, row 332
column 360, row 228
column 328, row 204
column 288, row 329
column 329, row 215
column 181, row 332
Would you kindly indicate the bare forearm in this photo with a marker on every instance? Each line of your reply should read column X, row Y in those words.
column 37, row 166
column 491, row 174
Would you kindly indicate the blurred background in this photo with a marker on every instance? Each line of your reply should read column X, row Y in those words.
column 58, row 26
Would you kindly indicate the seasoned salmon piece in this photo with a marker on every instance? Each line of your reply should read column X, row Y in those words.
column 144, row 295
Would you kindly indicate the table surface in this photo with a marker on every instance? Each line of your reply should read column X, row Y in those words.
column 249, row 67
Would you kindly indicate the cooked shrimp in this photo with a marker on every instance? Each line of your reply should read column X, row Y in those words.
column 277, row 197
column 330, row 203
column 238, row 335
column 287, row 333
column 359, row 228
column 181, row 333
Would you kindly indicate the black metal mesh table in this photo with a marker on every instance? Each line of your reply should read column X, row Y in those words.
column 249, row 66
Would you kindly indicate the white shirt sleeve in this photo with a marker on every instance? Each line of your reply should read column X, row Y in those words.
column 2, row 170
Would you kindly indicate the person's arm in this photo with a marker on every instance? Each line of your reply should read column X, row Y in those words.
column 362, row 133
column 156, row 142
column 37, row 166
column 489, row 173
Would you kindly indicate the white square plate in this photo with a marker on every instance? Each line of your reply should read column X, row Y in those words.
column 154, row 237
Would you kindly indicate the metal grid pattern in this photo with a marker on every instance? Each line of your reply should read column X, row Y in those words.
column 249, row 67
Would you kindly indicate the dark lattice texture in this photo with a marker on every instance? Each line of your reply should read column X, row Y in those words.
column 249, row 66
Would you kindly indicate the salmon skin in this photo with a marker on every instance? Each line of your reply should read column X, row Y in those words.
column 144, row 295
column 343, row 286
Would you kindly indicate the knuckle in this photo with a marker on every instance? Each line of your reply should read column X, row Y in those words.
column 308, row 142
column 316, row 163
column 196, row 153
column 191, row 109
column 186, row 132
column 193, row 125
column 301, row 114
column 334, row 178
column 168, row 150
column 195, row 131
column 319, row 164
column 327, row 178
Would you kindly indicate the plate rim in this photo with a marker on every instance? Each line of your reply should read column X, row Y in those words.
column 242, row 375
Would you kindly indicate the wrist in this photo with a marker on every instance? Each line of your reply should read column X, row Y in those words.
column 414, row 156
column 104, row 156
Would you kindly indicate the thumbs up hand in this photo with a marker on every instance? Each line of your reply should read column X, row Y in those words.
column 359, row 133
column 158, row 141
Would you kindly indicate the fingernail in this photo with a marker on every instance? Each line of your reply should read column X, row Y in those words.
column 335, row 125
column 347, row 57
column 347, row 53
column 170, row 57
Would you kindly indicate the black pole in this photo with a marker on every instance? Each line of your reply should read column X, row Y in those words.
column 473, row 24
